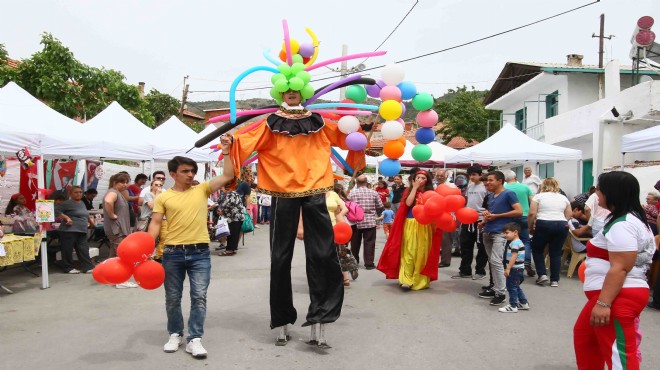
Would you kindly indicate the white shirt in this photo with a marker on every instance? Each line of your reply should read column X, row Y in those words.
column 598, row 213
column 628, row 234
column 551, row 206
column 533, row 182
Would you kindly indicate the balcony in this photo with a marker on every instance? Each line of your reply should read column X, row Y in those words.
column 536, row 132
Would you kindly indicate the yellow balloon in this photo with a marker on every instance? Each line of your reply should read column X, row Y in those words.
column 295, row 46
column 390, row 110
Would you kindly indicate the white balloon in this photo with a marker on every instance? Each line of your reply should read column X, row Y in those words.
column 393, row 74
column 348, row 124
column 391, row 130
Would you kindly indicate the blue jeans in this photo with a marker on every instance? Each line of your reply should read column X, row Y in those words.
column 513, row 281
column 265, row 214
column 552, row 233
column 524, row 237
column 197, row 263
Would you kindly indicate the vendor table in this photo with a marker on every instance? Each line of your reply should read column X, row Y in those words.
column 18, row 249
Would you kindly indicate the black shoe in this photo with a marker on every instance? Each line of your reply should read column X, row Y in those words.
column 530, row 270
column 461, row 276
column 369, row 267
column 653, row 306
column 488, row 293
column 498, row 300
column 456, row 253
column 487, row 287
column 443, row 265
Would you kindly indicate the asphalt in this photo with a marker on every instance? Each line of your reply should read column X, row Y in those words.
column 79, row 324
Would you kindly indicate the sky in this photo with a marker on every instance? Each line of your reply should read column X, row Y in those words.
column 161, row 41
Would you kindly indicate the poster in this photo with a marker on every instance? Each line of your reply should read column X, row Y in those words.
column 45, row 211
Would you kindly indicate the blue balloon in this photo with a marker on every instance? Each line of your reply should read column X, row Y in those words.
column 234, row 85
column 389, row 167
column 424, row 135
column 408, row 90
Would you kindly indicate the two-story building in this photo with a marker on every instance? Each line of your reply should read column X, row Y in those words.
column 570, row 105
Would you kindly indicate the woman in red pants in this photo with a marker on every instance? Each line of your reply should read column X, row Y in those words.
column 615, row 278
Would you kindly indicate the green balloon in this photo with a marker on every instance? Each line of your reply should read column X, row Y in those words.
column 304, row 75
column 307, row 91
column 275, row 94
column 277, row 76
column 279, row 100
column 297, row 67
column 297, row 58
column 422, row 101
column 421, row 152
column 356, row 93
column 284, row 69
column 296, row 84
column 282, row 85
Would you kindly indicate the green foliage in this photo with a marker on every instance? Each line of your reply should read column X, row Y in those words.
column 6, row 73
column 3, row 53
column 463, row 114
column 197, row 126
column 162, row 106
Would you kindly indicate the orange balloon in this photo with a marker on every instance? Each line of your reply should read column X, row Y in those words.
column 467, row 215
column 420, row 215
column 343, row 232
column 393, row 149
column 283, row 55
column 581, row 269
column 444, row 190
column 149, row 274
column 435, row 206
column 402, row 140
column 454, row 202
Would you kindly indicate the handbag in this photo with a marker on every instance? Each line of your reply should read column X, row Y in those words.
column 248, row 225
column 222, row 228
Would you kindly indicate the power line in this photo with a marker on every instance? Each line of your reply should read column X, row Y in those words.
column 395, row 28
column 438, row 51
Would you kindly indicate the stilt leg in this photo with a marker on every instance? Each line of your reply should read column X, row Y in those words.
column 283, row 337
column 322, row 343
column 312, row 336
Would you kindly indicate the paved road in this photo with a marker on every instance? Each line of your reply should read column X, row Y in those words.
column 79, row 324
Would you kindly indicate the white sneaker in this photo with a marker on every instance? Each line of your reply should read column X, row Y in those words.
column 554, row 284
column 523, row 306
column 126, row 285
column 73, row 271
column 508, row 309
column 195, row 348
column 173, row 343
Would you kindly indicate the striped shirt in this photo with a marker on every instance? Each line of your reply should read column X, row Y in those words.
column 369, row 200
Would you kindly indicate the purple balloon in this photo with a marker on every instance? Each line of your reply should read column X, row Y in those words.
column 356, row 141
column 306, row 50
column 403, row 109
column 374, row 90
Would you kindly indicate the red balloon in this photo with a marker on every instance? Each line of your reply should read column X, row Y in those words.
column 443, row 220
column 149, row 274
column 467, row 215
column 116, row 271
column 435, row 206
column 305, row 60
column 454, row 202
column 581, row 269
column 343, row 232
column 449, row 226
column 428, row 195
column 444, row 190
column 420, row 215
column 456, row 191
column 137, row 247
column 98, row 273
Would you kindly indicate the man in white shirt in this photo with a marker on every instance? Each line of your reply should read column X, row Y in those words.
column 595, row 213
column 531, row 180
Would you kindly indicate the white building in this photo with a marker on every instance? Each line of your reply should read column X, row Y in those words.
column 560, row 104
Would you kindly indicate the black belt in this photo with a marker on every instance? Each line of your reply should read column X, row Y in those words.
column 189, row 246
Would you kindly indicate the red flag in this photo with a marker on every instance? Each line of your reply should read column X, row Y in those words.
column 29, row 186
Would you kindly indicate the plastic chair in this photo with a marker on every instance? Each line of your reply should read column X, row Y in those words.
column 569, row 251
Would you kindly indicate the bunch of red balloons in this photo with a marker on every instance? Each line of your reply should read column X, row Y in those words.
column 133, row 259
column 437, row 206
column 343, row 232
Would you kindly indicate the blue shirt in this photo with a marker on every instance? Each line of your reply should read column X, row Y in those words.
column 388, row 216
column 501, row 203
column 516, row 246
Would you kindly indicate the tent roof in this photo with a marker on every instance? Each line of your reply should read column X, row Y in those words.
column 511, row 145
column 647, row 140
column 178, row 138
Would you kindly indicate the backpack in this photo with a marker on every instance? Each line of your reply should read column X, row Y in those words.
column 355, row 212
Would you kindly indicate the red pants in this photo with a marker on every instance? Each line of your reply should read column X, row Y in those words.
column 386, row 229
column 614, row 344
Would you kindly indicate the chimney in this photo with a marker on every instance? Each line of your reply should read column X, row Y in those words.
column 141, row 89
column 574, row 60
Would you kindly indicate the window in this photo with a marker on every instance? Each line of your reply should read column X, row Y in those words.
column 546, row 170
column 519, row 172
column 552, row 104
column 587, row 176
column 521, row 119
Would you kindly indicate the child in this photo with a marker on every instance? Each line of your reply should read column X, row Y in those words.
column 388, row 218
column 514, row 268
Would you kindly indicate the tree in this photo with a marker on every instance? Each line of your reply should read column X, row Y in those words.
column 463, row 114
column 6, row 73
column 162, row 106
column 73, row 88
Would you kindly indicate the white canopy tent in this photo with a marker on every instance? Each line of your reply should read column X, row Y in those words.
column 175, row 138
column 647, row 140
column 511, row 145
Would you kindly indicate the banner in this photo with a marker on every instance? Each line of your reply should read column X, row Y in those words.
column 29, row 186
column 63, row 174
column 91, row 180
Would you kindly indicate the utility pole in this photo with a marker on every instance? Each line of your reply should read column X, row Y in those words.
column 344, row 71
column 184, row 97
column 601, row 38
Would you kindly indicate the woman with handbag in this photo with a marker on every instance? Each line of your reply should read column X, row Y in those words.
column 231, row 206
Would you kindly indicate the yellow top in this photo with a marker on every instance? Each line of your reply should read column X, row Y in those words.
column 334, row 203
column 186, row 214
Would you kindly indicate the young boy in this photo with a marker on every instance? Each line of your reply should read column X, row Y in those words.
column 514, row 268
column 388, row 218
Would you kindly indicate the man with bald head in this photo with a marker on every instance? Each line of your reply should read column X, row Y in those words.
column 448, row 238
column 370, row 202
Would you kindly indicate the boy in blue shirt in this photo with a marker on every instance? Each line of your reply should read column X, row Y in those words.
column 514, row 267
column 388, row 218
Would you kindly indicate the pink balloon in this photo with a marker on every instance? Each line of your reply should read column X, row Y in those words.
column 390, row 93
column 427, row 118
column 400, row 120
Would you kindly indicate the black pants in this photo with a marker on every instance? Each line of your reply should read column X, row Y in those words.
column 369, row 236
column 234, row 235
column 468, row 236
column 78, row 241
column 324, row 277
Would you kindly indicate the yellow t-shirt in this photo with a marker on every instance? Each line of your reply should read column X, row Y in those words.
column 186, row 214
column 333, row 202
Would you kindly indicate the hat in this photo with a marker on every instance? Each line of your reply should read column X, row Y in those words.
column 15, row 196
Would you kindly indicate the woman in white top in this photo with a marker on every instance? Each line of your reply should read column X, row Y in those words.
column 547, row 218
column 615, row 278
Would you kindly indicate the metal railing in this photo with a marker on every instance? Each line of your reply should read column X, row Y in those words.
column 536, row 132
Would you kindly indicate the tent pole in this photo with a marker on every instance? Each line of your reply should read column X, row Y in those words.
column 44, row 246
column 623, row 161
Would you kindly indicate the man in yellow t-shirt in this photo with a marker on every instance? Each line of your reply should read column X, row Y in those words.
column 187, row 247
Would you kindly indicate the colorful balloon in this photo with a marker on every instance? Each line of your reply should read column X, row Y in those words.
column 403, row 108
column 374, row 90
column 390, row 110
column 343, row 232
column 435, row 206
column 307, row 91
column 149, row 274
column 427, row 118
column 444, row 190
column 296, row 84
column 98, row 273
column 428, row 195
column 296, row 58
column 390, row 93
column 422, row 152
column 424, row 135
column 393, row 149
column 408, row 90
column 444, row 220
column 348, row 124
column 304, row 76
column 136, row 247
column 423, row 101
column 389, row 167
column 391, row 130
column 393, row 74
column 357, row 93
column 306, row 50
column 419, row 212
column 295, row 46
column 455, row 202
column 356, row 141
column 581, row 271
column 467, row 215
column 116, row 271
